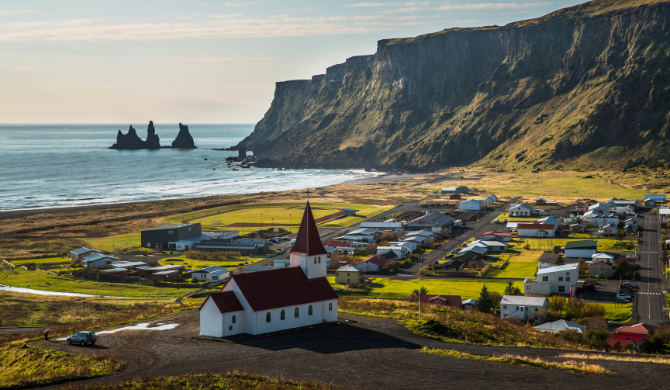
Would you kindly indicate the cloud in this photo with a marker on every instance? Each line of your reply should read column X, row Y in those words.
column 16, row 11
column 398, row 4
column 229, row 4
column 491, row 6
column 405, row 10
column 224, row 59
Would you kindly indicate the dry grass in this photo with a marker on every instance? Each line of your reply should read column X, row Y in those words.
column 618, row 358
column 571, row 366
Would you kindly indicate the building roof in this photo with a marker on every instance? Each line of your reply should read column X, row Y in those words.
column 422, row 233
column 435, row 218
column 521, row 206
column 165, row 227
column 98, row 256
column 558, row 268
column 338, row 243
column 599, row 264
column 218, row 271
column 163, row 268
column 308, row 241
column 451, row 263
column 475, row 248
column 560, row 325
column 212, row 268
column 282, row 287
column 602, row 256
column 469, row 302
column 113, row 270
column 522, row 300
column 641, row 328
column 531, row 226
column 472, row 200
column 581, row 244
column 348, row 268
column 128, row 264
column 170, row 272
column 447, row 300
column 258, row 268
column 374, row 260
column 225, row 301
column 500, row 234
column 81, row 251
column 387, row 225
column 494, row 243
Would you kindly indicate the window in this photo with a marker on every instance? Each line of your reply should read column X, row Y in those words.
column 268, row 317
column 505, row 315
column 297, row 312
column 560, row 278
column 319, row 260
column 230, row 327
column 283, row 315
column 170, row 231
column 348, row 274
column 505, row 307
column 315, row 260
column 545, row 278
column 330, row 306
column 234, row 319
column 438, row 302
column 528, row 288
column 348, row 280
column 310, row 311
column 517, row 307
column 567, row 278
column 215, row 277
column 561, row 289
column 536, row 309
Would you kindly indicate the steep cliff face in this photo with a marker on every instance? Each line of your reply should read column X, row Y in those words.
column 587, row 86
column 184, row 139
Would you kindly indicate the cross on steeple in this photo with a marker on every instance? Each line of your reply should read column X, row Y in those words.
column 308, row 192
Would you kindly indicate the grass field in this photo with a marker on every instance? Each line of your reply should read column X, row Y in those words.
column 282, row 213
column 525, row 256
column 115, row 241
column 514, row 270
column 47, row 260
column 505, row 216
column 547, row 244
column 385, row 288
column 39, row 280
column 197, row 264
column 619, row 312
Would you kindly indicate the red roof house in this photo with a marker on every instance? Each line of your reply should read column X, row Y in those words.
column 633, row 334
column 374, row 264
column 442, row 300
column 339, row 244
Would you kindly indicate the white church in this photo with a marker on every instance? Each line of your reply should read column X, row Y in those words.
column 269, row 301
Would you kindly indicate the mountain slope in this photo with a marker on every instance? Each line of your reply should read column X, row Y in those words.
column 586, row 85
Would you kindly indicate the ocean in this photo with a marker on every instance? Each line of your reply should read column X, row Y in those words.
column 71, row 165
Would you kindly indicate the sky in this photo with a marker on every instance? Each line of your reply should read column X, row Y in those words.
column 123, row 61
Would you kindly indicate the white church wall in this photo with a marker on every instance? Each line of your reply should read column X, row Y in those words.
column 330, row 315
column 231, row 328
column 249, row 317
column 277, row 324
column 211, row 320
column 311, row 268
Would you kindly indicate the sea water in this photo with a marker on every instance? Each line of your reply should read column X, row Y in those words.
column 71, row 165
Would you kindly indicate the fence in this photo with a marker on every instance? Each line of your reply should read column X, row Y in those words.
column 10, row 264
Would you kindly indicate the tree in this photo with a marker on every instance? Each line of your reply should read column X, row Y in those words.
column 485, row 303
column 624, row 269
column 556, row 304
column 424, row 291
column 509, row 289
column 597, row 323
column 517, row 291
column 560, row 260
column 495, row 298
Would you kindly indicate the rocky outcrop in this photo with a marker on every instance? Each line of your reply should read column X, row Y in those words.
column 584, row 86
column 128, row 141
column 184, row 139
column 152, row 141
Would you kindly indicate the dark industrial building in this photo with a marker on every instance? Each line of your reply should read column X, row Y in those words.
column 163, row 235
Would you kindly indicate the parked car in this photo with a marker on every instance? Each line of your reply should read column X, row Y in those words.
column 82, row 338
column 623, row 297
column 628, row 286
column 589, row 286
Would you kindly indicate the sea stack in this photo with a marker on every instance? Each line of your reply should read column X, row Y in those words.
column 128, row 141
column 153, row 141
column 242, row 153
column 184, row 139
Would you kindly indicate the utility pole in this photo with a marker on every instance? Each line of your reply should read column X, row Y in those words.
column 419, row 298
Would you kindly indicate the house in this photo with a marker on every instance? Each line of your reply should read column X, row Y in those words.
column 495, row 198
column 452, row 265
column 545, row 227
column 129, row 265
column 246, row 246
column 280, row 299
column 600, row 269
column 582, row 248
column 400, row 251
column 479, row 251
column 520, row 210
column 217, row 275
column 97, row 260
column 561, row 279
column 281, row 263
column 600, row 207
column 634, row 335
column 560, row 326
column 618, row 203
column 349, row 212
column 338, row 244
column 160, row 237
column 199, row 275
column 649, row 202
column 372, row 264
column 149, row 272
column 442, row 300
column 544, row 202
column 166, row 276
column 349, row 275
column 396, row 227
column 459, row 189
column 664, row 216
column 493, row 245
column 120, row 272
column 604, row 257
column 525, row 308
column 455, row 196
column 79, row 254
column 577, row 228
column 463, row 257
column 468, row 304
column 435, row 221
column 506, row 237
column 633, row 223
column 426, row 236
column 488, row 200
column 608, row 230
column 611, row 219
column 590, row 215
column 471, row 205
column 622, row 210
column 657, row 198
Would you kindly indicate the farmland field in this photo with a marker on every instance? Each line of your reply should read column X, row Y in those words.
column 115, row 242
column 514, row 270
column 47, row 260
column 198, row 264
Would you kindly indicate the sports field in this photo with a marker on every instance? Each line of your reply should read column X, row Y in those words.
column 286, row 215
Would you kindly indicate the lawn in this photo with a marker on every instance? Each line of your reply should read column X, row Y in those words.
column 40, row 280
column 277, row 214
column 619, row 312
column 116, row 241
column 197, row 264
column 514, row 270
column 394, row 289
column 547, row 244
column 525, row 256
column 47, row 260
column 505, row 216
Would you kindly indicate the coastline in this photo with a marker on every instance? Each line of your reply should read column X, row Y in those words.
column 20, row 213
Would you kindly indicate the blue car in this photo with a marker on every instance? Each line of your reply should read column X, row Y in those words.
column 82, row 338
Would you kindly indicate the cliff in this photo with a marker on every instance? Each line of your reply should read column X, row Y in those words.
column 152, row 141
column 184, row 139
column 584, row 86
column 128, row 141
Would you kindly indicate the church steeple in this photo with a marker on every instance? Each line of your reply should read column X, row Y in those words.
column 308, row 252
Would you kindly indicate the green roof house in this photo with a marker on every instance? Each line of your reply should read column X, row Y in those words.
column 454, row 190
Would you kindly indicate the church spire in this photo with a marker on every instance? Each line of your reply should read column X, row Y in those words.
column 308, row 241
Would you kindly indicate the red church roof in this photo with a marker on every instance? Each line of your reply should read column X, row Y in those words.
column 308, row 241
column 282, row 287
column 226, row 301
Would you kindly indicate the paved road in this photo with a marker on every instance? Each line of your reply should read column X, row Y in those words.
column 650, row 293
column 24, row 329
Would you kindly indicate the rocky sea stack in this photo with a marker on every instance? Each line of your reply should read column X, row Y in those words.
column 184, row 139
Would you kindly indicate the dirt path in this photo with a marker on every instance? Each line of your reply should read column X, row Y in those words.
column 372, row 353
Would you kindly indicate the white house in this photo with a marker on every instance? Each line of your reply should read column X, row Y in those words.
column 608, row 230
column 488, row 200
column 611, row 219
column 524, row 308
column 622, row 210
column 560, row 279
column 632, row 222
column 600, row 207
column 664, row 215
column 582, row 248
column 492, row 246
column 604, row 257
column 264, row 302
column 401, row 252
column 472, row 205
column 435, row 221
column 590, row 215
column 545, row 227
column 520, row 210
column 217, row 275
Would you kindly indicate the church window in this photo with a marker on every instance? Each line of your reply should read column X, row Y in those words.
column 310, row 311
column 330, row 306
column 230, row 327
column 234, row 319
column 283, row 314
column 297, row 312
column 315, row 260
column 268, row 317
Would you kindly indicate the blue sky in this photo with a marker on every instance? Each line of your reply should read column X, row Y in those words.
column 119, row 61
